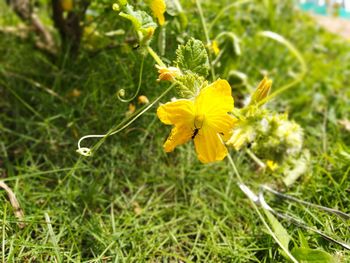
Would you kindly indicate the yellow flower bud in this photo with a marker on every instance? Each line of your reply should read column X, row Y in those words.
column 74, row 93
column 261, row 91
column 167, row 74
column 115, row 7
column 67, row 5
column 142, row 99
column 131, row 110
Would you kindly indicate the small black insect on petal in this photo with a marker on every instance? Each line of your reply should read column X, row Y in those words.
column 195, row 132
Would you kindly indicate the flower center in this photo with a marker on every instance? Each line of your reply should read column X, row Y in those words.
column 198, row 121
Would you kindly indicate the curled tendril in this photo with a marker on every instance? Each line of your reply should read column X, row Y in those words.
column 85, row 151
column 295, row 52
column 121, row 92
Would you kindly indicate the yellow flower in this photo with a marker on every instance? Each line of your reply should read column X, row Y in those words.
column 215, row 47
column 205, row 120
column 272, row 165
column 158, row 8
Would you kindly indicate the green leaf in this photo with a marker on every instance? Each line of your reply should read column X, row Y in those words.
column 302, row 239
column 189, row 85
column 307, row 255
column 193, row 57
column 140, row 19
column 280, row 232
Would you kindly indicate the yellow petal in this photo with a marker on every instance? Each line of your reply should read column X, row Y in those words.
column 179, row 135
column 237, row 139
column 222, row 124
column 214, row 99
column 158, row 8
column 180, row 112
column 209, row 146
column 214, row 102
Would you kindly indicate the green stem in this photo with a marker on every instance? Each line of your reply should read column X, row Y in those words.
column 121, row 126
column 234, row 168
column 207, row 39
column 255, row 159
column 155, row 56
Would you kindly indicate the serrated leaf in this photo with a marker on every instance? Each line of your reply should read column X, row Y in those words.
column 193, row 57
column 307, row 255
column 189, row 85
column 140, row 19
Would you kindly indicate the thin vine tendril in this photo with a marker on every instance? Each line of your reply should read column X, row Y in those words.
column 121, row 126
column 121, row 92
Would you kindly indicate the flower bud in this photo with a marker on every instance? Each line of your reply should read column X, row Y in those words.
column 261, row 91
column 167, row 73
column 142, row 99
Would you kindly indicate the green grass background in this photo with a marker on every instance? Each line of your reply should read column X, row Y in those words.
column 131, row 202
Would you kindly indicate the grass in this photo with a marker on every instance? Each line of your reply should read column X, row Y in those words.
column 131, row 202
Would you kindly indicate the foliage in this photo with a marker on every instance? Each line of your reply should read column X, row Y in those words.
column 192, row 57
column 132, row 202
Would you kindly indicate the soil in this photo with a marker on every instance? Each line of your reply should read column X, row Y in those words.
column 339, row 26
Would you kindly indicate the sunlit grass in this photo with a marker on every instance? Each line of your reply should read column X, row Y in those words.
column 131, row 202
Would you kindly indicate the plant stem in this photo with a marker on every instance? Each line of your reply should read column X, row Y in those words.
column 255, row 159
column 155, row 57
column 207, row 39
column 120, row 97
column 121, row 126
